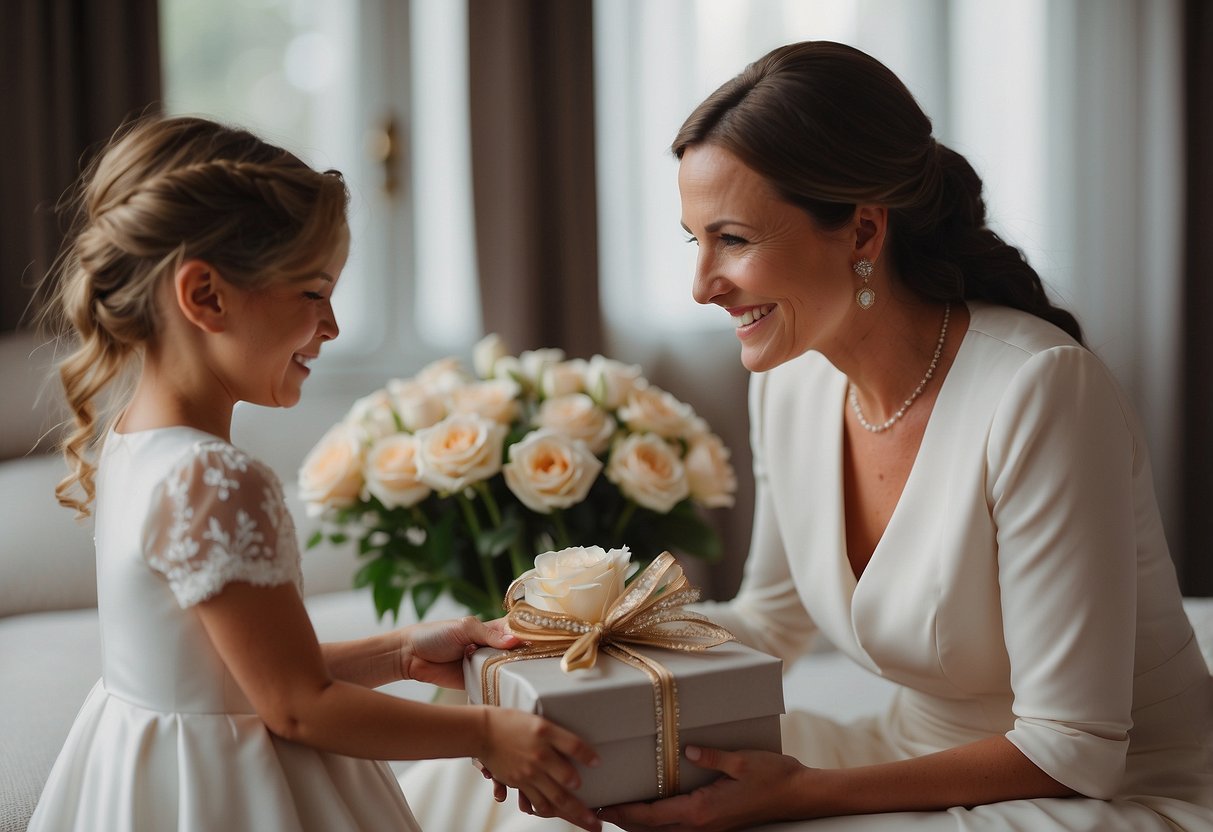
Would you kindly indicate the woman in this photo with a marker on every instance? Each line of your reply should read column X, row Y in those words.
column 950, row 487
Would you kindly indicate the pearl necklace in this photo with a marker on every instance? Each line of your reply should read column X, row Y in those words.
column 892, row 420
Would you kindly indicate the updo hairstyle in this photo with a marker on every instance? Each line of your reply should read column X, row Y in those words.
column 829, row 126
column 167, row 190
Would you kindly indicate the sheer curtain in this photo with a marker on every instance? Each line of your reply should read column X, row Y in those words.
column 1071, row 112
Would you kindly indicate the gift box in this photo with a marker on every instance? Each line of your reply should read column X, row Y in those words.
column 729, row 697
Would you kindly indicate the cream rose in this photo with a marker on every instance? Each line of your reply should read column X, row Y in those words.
column 563, row 378
column 459, row 451
column 417, row 405
column 581, row 582
column 576, row 416
column 331, row 474
column 390, row 472
column 548, row 470
column 372, row 416
column 443, row 375
column 709, row 474
column 653, row 410
column 533, row 362
column 648, row 472
column 496, row 400
column 487, row 352
column 609, row 381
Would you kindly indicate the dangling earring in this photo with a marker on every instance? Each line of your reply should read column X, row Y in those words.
column 866, row 296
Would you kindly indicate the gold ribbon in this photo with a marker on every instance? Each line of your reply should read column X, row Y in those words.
column 651, row 613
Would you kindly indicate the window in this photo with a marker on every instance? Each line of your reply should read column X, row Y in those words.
column 333, row 82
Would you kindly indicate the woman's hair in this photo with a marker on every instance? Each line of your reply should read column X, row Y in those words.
column 829, row 127
column 163, row 191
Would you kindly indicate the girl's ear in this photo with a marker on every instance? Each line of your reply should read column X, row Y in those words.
column 201, row 295
column 871, row 226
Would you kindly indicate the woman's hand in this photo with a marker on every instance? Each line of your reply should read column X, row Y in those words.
column 757, row 787
column 535, row 756
column 434, row 651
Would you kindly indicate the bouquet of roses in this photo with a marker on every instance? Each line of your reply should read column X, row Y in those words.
column 453, row 483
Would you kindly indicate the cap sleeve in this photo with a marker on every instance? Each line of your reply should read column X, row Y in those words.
column 219, row 517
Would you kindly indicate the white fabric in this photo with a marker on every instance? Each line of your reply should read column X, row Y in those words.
column 1022, row 587
column 166, row 739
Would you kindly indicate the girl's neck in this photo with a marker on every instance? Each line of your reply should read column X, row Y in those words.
column 167, row 397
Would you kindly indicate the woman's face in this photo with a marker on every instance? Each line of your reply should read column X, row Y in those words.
column 787, row 284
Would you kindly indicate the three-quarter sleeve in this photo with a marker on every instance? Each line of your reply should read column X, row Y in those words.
column 767, row 613
column 1059, row 483
column 218, row 517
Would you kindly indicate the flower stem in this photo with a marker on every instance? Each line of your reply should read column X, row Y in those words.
column 486, row 561
column 518, row 558
column 490, row 503
column 622, row 523
column 562, row 531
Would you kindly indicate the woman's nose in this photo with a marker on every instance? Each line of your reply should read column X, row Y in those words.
column 328, row 329
column 707, row 284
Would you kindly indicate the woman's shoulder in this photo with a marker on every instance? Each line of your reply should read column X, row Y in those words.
column 1002, row 326
column 176, row 449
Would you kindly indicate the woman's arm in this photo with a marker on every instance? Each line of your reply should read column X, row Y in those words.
column 761, row 787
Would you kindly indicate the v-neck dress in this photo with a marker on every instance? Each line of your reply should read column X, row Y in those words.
column 167, row 740
column 1022, row 587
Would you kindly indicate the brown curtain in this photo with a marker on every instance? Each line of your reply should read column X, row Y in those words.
column 532, row 119
column 74, row 70
column 1197, row 543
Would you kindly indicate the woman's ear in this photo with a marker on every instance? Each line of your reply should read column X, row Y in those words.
column 201, row 295
column 871, row 225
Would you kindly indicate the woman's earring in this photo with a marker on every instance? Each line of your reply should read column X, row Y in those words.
column 866, row 296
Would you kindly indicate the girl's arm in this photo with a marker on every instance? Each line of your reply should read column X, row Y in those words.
column 428, row 652
column 265, row 638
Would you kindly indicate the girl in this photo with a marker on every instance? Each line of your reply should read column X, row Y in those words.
column 207, row 259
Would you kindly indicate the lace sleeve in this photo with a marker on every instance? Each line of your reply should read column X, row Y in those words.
column 220, row 517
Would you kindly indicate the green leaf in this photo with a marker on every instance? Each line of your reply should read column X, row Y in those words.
column 492, row 542
column 373, row 572
column 425, row 594
column 387, row 597
column 685, row 530
column 338, row 538
column 314, row 540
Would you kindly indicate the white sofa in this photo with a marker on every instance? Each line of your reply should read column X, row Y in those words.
column 49, row 639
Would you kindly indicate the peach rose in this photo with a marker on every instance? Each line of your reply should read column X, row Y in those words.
column 496, row 400
column 417, row 405
column 461, row 450
column 390, row 472
column 331, row 474
column 372, row 416
column 609, row 381
column 563, row 378
column 710, row 475
column 653, row 410
column 443, row 375
column 648, row 471
column 548, row 470
column 576, row 416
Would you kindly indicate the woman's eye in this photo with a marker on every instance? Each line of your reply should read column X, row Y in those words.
column 313, row 295
column 692, row 240
column 731, row 240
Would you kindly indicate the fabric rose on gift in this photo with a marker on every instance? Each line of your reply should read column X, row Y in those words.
column 581, row 581
column 548, row 470
column 459, row 451
column 648, row 472
column 710, row 475
column 576, row 416
column 653, row 410
column 331, row 475
column 390, row 472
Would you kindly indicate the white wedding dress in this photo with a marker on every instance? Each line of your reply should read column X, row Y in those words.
column 166, row 739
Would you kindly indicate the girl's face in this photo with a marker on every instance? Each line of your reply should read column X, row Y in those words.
column 278, row 331
column 787, row 284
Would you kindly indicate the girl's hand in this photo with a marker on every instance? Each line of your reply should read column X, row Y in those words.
column 434, row 651
column 757, row 787
column 535, row 756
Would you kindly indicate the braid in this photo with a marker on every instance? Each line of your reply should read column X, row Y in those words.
column 164, row 191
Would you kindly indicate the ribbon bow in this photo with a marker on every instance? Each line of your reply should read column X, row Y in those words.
column 651, row 611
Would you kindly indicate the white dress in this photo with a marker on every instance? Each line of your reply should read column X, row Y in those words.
column 1022, row 588
column 166, row 739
